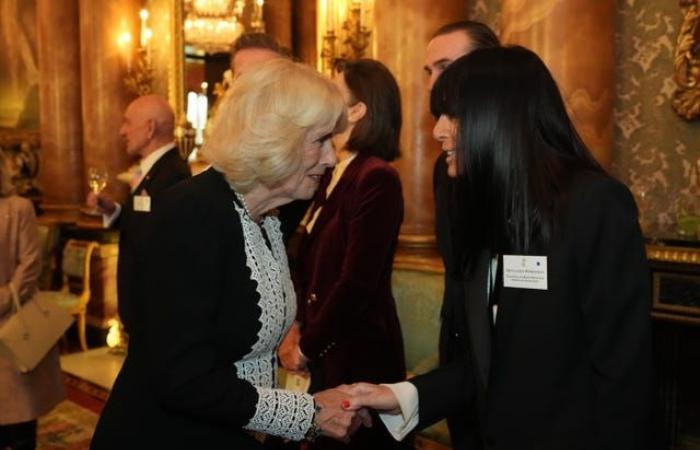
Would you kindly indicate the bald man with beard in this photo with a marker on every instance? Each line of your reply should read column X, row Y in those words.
column 147, row 128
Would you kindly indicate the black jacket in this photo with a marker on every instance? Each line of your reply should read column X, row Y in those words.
column 195, row 316
column 564, row 368
column 168, row 170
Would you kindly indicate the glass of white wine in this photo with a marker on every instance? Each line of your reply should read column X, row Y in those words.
column 97, row 180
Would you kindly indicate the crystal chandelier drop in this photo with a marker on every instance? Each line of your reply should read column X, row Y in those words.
column 212, row 25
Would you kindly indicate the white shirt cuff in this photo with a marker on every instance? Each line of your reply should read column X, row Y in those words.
column 400, row 425
column 108, row 220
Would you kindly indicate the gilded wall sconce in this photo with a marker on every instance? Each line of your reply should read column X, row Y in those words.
column 345, row 29
column 139, row 73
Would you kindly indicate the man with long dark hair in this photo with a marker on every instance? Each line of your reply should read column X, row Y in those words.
column 448, row 43
column 558, row 350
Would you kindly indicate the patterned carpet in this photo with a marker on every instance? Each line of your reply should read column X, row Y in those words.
column 71, row 424
column 68, row 427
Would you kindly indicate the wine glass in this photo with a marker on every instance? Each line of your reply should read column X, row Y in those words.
column 97, row 180
column 645, row 207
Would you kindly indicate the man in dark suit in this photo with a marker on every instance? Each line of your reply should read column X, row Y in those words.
column 253, row 49
column 247, row 52
column 147, row 128
column 448, row 43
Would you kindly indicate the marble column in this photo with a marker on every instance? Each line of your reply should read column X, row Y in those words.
column 402, row 29
column 304, row 30
column 61, row 162
column 575, row 38
column 278, row 21
column 104, row 97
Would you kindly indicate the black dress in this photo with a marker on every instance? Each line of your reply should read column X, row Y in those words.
column 214, row 300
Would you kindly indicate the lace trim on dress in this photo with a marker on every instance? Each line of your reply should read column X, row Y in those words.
column 283, row 413
column 269, row 269
column 278, row 412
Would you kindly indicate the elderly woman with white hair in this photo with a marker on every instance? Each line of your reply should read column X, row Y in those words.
column 215, row 295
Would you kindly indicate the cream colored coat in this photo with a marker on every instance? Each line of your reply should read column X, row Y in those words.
column 23, row 397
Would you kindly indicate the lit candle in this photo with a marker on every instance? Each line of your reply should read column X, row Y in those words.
column 202, row 110
column 202, row 107
column 144, row 27
column 330, row 19
column 341, row 13
column 148, row 34
column 124, row 46
column 192, row 108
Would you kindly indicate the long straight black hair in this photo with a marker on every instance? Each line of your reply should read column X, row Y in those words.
column 516, row 151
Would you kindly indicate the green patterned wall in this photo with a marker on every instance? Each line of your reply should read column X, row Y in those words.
column 654, row 148
column 418, row 300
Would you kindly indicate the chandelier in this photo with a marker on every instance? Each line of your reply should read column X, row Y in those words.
column 212, row 25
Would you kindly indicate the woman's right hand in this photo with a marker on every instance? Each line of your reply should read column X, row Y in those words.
column 289, row 354
column 332, row 417
column 374, row 396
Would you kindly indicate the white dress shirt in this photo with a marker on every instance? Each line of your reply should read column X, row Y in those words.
column 338, row 171
column 145, row 165
column 399, row 425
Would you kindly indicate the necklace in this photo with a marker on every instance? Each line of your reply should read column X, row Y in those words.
column 245, row 206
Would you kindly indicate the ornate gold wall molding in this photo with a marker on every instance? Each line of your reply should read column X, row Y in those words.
column 683, row 255
column 418, row 252
column 21, row 147
column 686, row 63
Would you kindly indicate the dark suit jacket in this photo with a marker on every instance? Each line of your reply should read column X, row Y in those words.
column 167, row 171
column 452, row 312
column 565, row 368
column 343, row 277
column 196, row 317
column 452, row 343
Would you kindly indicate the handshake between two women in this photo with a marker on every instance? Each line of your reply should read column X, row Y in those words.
column 341, row 411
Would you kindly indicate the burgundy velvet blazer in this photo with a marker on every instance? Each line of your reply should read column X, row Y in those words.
column 349, row 324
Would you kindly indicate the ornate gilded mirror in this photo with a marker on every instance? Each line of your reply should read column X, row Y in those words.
column 191, row 53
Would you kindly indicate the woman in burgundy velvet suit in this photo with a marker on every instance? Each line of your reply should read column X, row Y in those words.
column 347, row 327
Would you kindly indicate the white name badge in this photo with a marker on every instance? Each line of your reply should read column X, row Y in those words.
column 142, row 203
column 525, row 272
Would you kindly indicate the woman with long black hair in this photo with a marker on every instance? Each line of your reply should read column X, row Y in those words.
column 556, row 352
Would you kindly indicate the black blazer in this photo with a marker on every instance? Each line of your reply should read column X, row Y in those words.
column 452, row 345
column 452, row 324
column 196, row 316
column 168, row 170
column 566, row 368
